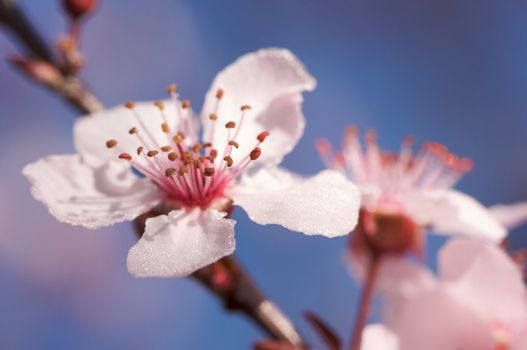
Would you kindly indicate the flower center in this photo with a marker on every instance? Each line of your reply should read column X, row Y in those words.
column 192, row 172
column 379, row 233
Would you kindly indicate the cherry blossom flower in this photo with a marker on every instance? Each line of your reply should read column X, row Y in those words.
column 478, row 301
column 193, row 168
column 404, row 192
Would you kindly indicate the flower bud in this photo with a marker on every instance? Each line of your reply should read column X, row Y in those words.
column 78, row 8
column 40, row 71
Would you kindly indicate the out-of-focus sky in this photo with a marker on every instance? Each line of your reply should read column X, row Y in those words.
column 452, row 71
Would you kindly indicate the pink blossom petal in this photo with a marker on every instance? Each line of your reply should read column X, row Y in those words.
column 436, row 319
column 326, row 204
column 271, row 82
column 90, row 134
column 80, row 195
column 453, row 212
column 485, row 277
column 511, row 215
column 177, row 244
column 379, row 337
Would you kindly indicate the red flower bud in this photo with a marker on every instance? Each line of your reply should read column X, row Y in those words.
column 78, row 8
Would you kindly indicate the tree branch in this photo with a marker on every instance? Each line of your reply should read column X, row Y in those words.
column 238, row 292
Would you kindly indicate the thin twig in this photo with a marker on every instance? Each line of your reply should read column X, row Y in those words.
column 17, row 22
column 70, row 87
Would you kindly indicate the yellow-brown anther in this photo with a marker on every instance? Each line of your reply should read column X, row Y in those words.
column 152, row 153
column 166, row 148
column 178, row 138
column 185, row 104
column 213, row 154
column 132, row 131
column 169, row 172
column 213, row 116
column 125, row 156
column 234, row 143
column 172, row 88
column 207, row 144
column 230, row 125
column 111, row 143
column 196, row 148
column 139, row 150
column 219, row 94
column 245, row 107
column 197, row 163
column 262, row 136
column 229, row 161
column 202, row 159
column 173, row 156
column 183, row 170
column 165, row 128
column 129, row 104
column 159, row 104
column 187, row 158
column 208, row 172
column 255, row 153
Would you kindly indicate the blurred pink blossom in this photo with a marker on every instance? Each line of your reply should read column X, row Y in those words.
column 418, row 186
column 478, row 301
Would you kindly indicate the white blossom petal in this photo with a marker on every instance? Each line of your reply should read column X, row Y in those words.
column 511, row 215
column 453, row 212
column 326, row 204
column 80, row 195
column 485, row 277
column 177, row 244
column 379, row 337
column 90, row 134
column 271, row 82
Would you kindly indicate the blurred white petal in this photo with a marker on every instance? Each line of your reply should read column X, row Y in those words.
column 452, row 212
column 510, row 215
column 379, row 337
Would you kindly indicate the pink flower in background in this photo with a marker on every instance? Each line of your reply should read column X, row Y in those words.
column 404, row 192
column 478, row 301
column 192, row 170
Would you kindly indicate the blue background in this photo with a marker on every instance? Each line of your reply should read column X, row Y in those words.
column 452, row 71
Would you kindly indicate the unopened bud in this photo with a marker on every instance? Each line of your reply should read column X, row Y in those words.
column 41, row 71
column 78, row 8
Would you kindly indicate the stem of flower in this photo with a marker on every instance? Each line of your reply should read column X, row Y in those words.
column 70, row 87
column 365, row 302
